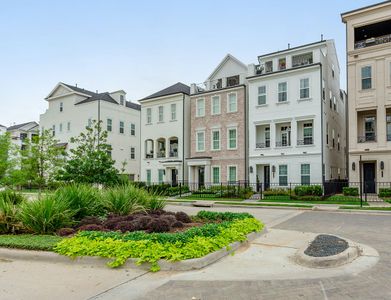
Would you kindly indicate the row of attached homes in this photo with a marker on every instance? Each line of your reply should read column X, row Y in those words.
column 282, row 120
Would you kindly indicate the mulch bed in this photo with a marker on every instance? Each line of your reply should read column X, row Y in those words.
column 326, row 245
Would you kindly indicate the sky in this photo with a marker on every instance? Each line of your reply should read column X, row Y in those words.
column 145, row 46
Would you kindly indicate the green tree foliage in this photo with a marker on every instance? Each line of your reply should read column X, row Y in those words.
column 5, row 148
column 90, row 160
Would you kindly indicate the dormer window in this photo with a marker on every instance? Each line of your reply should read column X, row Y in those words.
column 282, row 64
column 61, row 107
column 233, row 80
column 121, row 99
column 302, row 59
column 269, row 66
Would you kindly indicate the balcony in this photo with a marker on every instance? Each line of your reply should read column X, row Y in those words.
column 305, row 141
column 263, row 145
column 283, row 144
column 302, row 60
column 372, row 34
column 367, row 138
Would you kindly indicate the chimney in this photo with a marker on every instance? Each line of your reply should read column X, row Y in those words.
column 321, row 37
column 289, row 45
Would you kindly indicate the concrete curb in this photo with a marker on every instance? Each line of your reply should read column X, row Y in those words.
column 184, row 265
column 345, row 257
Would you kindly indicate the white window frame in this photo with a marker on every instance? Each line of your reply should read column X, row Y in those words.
column 280, row 92
column 121, row 99
column 148, row 174
column 61, row 106
column 107, row 124
column 132, row 129
column 60, row 128
column 173, row 111
column 69, row 126
column 121, row 126
column 89, row 122
column 236, row 138
column 161, row 113
column 149, row 115
column 212, row 140
column 228, row 173
column 218, row 112
column 132, row 153
column 279, row 175
column 198, row 112
column 160, row 176
column 364, row 78
column 262, row 94
column 303, row 87
column 305, row 174
column 211, row 171
column 197, row 141
column 228, row 102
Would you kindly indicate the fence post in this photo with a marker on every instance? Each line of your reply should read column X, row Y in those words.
column 180, row 189
column 260, row 193
column 290, row 190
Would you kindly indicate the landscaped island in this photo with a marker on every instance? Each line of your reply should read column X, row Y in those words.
column 116, row 223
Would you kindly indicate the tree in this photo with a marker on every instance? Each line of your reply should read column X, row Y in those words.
column 5, row 159
column 42, row 159
column 90, row 160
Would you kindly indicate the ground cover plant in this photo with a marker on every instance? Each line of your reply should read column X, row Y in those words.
column 219, row 230
column 29, row 241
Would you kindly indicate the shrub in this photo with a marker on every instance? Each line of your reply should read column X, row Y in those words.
column 350, row 191
column 65, row 231
column 276, row 192
column 385, row 192
column 11, row 196
column 169, row 218
column 222, row 216
column 177, row 224
column 46, row 215
column 308, row 190
column 183, row 217
column 125, row 226
column 83, row 199
column 90, row 220
column 142, row 222
column 155, row 203
column 91, row 227
column 158, row 225
column 9, row 211
column 125, row 199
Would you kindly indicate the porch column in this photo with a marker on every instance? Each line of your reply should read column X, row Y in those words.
column 167, row 148
column 293, row 133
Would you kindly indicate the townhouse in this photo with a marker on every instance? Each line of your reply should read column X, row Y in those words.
column 368, row 45
column 297, row 129
column 21, row 133
column 218, row 126
column 165, row 135
column 71, row 109
column 3, row 129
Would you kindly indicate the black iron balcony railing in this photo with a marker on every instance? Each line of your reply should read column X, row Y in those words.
column 263, row 145
column 305, row 141
column 283, row 144
column 369, row 137
column 173, row 153
column 373, row 41
column 161, row 154
column 149, row 155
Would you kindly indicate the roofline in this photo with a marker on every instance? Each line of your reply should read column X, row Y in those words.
column 343, row 15
column 286, row 70
column 117, row 91
column 294, row 48
column 171, row 94
column 218, row 90
column 226, row 57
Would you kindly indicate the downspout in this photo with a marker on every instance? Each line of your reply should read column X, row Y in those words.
column 183, row 138
column 321, row 124
column 347, row 156
column 99, row 125
column 246, row 175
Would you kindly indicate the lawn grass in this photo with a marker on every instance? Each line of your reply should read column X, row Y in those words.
column 29, row 241
column 336, row 199
column 266, row 204
column 365, row 208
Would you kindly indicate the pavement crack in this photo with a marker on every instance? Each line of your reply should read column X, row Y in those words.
column 273, row 245
column 323, row 290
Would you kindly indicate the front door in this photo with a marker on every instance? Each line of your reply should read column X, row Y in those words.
column 369, row 178
column 201, row 176
column 266, row 177
column 174, row 177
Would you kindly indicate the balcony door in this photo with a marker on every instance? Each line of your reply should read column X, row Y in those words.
column 285, row 136
column 370, row 129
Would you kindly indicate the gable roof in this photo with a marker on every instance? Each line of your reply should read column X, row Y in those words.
column 19, row 126
column 223, row 62
column 3, row 126
column 171, row 90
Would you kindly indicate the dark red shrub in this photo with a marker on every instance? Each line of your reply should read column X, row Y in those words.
column 65, row 231
column 177, row 224
column 125, row 226
column 142, row 222
column 158, row 225
column 170, row 219
column 183, row 217
column 157, row 212
column 113, row 221
column 90, row 220
column 91, row 227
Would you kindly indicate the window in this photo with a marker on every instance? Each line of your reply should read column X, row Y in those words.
column 233, row 80
column 148, row 176
column 327, row 133
column 283, row 175
column 305, row 174
column 61, row 107
column 161, row 116
column 132, row 153
column 269, row 66
column 200, row 107
column 173, row 111
column 282, row 92
column 370, row 125
column 232, row 102
column 109, row 125
column 338, row 143
column 282, row 64
column 200, row 141
column 323, row 90
column 121, row 127
column 267, row 137
column 285, row 136
column 160, row 175
column 261, row 95
column 215, row 139
column 149, row 115
column 333, row 136
column 60, row 127
column 109, row 151
column 232, row 138
column 215, row 105
column 232, row 174
column 366, row 77
column 307, row 133
column 304, row 88
column 216, row 175
column 69, row 126
column 302, row 59
column 332, row 71
column 335, row 103
column 89, row 122
column 388, row 126
column 121, row 99
column 331, row 99
column 54, row 130
column 132, row 129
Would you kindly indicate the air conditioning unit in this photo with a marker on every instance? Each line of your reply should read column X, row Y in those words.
column 370, row 41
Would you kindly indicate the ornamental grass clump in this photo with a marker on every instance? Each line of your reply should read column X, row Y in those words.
column 46, row 215
column 9, row 216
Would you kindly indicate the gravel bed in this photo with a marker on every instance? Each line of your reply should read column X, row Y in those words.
column 326, row 245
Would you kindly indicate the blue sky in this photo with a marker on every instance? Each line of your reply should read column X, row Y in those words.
column 144, row 46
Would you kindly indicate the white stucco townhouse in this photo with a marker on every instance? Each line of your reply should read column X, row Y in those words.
column 20, row 133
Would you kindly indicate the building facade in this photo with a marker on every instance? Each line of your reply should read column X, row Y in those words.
column 368, row 43
column 71, row 109
column 3, row 129
column 165, row 135
column 21, row 133
column 297, row 117
column 218, row 126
